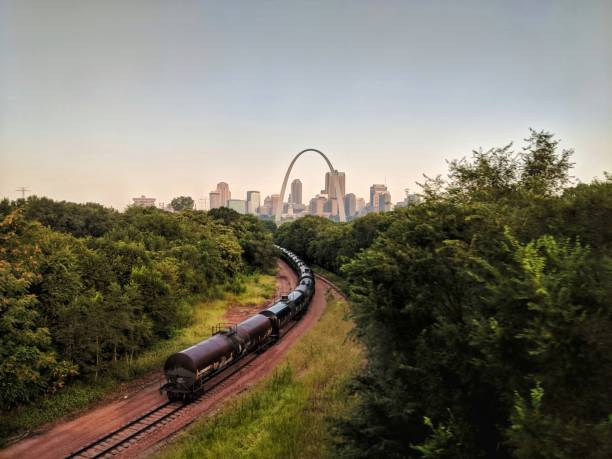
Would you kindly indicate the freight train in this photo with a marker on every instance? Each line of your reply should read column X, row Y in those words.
column 188, row 370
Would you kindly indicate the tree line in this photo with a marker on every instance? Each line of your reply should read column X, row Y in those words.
column 486, row 311
column 83, row 286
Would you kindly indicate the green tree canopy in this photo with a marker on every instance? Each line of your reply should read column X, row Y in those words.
column 486, row 312
column 82, row 286
column 182, row 203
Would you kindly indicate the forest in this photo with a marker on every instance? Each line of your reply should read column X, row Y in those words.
column 485, row 311
column 84, row 287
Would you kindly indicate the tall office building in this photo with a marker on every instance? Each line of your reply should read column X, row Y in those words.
column 276, row 203
column 374, row 189
column 214, row 198
column 317, row 205
column 143, row 201
column 350, row 204
column 266, row 209
column 360, row 205
column 253, row 201
column 329, row 188
column 296, row 192
column 239, row 205
column 226, row 195
column 382, row 201
column 333, row 206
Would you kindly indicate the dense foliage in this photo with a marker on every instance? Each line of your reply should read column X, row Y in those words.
column 182, row 203
column 83, row 286
column 486, row 312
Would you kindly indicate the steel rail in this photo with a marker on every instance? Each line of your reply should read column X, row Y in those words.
column 224, row 375
column 237, row 366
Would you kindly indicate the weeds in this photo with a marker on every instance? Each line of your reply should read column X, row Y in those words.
column 286, row 414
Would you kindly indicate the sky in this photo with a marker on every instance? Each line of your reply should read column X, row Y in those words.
column 106, row 100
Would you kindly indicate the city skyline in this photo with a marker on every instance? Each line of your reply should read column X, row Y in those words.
column 158, row 100
column 221, row 197
column 222, row 192
column 324, row 203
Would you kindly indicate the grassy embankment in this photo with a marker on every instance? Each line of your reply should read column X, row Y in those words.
column 287, row 414
column 82, row 394
column 338, row 281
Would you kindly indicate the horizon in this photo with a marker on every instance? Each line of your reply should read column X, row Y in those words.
column 164, row 101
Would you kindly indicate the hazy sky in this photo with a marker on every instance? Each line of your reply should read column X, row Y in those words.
column 106, row 100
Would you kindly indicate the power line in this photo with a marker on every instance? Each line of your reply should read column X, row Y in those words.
column 23, row 190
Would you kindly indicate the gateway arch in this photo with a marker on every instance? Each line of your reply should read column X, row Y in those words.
column 334, row 179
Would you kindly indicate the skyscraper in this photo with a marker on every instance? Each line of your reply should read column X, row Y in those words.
column 276, row 203
column 239, row 205
column 214, row 198
column 376, row 188
column 296, row 192
column 360, row 205
column 317, row 205
column 331, row 206
column 384, row 201
column 226, row 195
column 253, row 201
column 350, row 204
column 329, row 188
column 220, row 196
column 266, row 209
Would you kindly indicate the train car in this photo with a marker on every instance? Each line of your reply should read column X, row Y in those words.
column 187, row 371
column 279, row 314
column 254, row 332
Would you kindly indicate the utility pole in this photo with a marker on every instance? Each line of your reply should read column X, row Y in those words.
column 23, row 190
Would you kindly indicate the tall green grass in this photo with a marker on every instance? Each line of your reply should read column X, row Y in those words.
column 286, row 415
column 256, row 289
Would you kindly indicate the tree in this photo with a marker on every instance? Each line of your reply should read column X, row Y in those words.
column 543, row 170
column 28, row 363
column 182, row 203
column 462, row 321
column 83, row 286
column 491, row 174
column 77, row 219
column 224, row 214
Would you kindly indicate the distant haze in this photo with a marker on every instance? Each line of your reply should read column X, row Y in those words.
column 106, row 100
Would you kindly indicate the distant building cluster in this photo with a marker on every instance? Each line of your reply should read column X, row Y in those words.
column 324, row 204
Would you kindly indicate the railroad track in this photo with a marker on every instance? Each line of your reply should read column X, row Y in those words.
column 131, row 432
column 115, row 441
column 121, row 438
column 332, row 286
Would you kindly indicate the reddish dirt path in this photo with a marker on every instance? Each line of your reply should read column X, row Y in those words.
column 66, row 436
column 285, row 280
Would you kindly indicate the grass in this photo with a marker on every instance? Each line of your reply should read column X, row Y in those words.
column 257, row 289
column 338, row 281
column 286, row 415
column 82, row 394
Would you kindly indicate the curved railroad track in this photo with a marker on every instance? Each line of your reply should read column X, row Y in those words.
column 157, row 422
column 123, row 437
